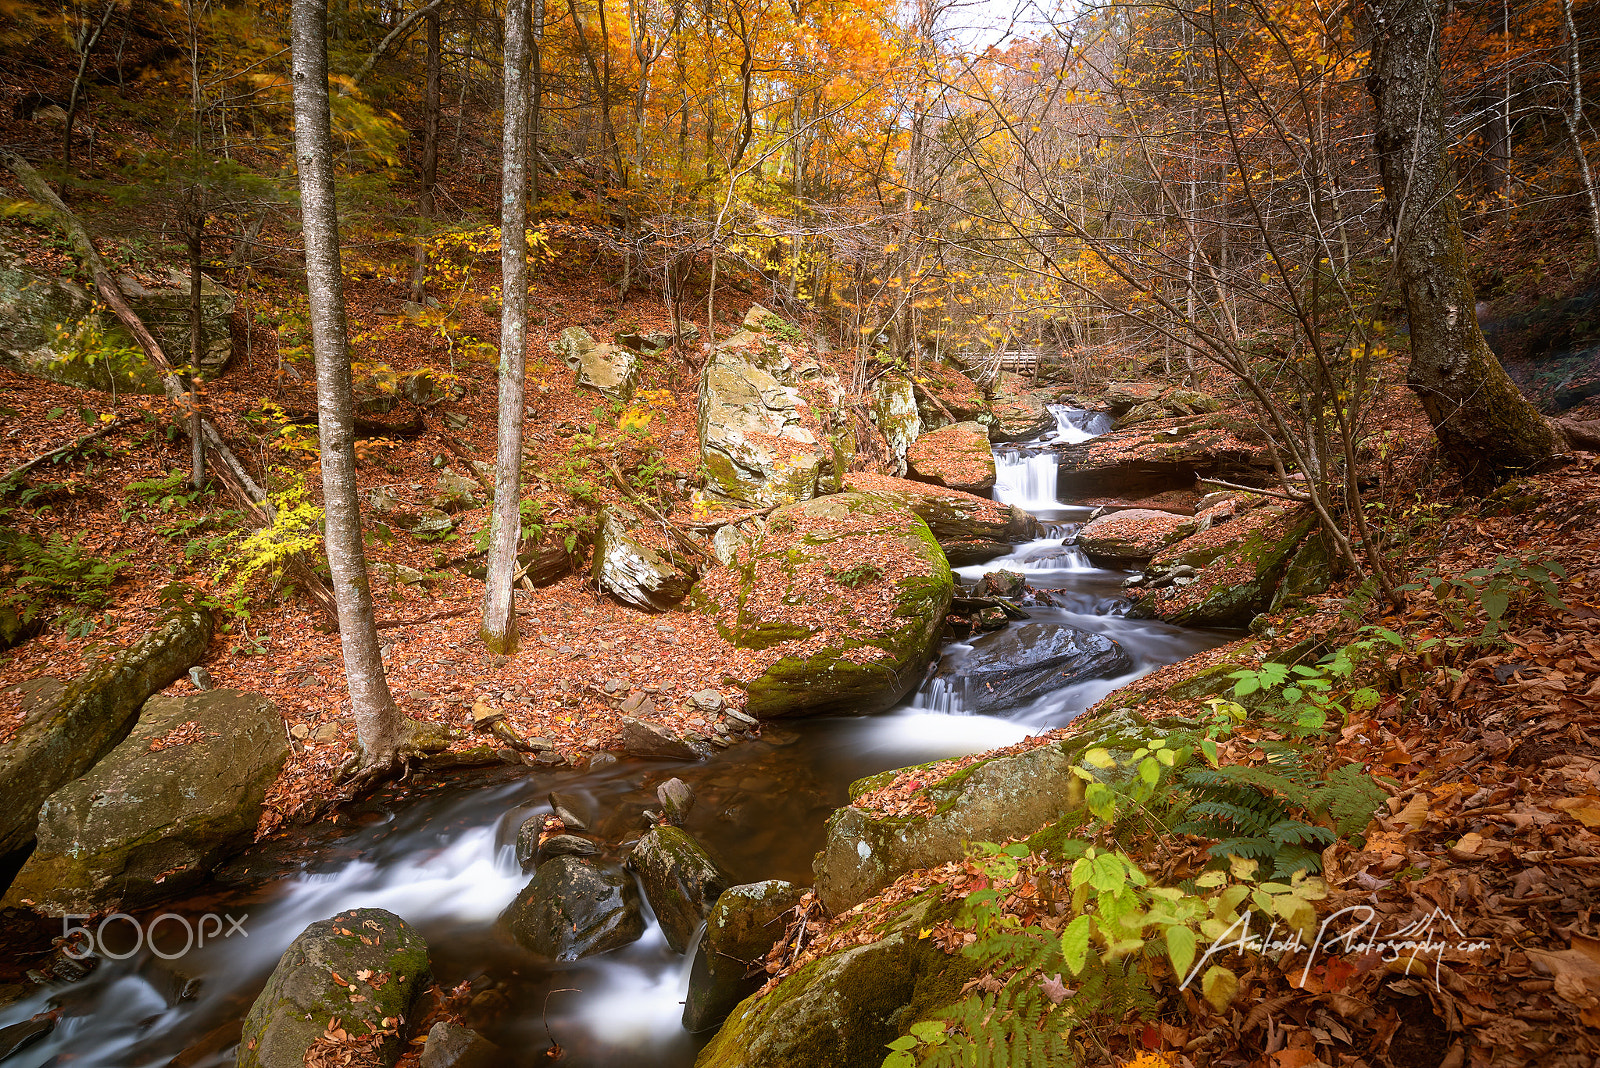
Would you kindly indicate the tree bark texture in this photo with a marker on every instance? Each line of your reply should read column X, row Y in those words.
column 499, row 619
column 1487, row 430
column 378, row 721
column 430, row 154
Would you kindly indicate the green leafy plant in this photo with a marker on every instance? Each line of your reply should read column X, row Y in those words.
column 1493, row 591
column 60, row 568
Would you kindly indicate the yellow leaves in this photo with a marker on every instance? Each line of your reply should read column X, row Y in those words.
column 1220, row 987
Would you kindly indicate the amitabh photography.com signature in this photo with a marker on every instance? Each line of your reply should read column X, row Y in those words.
column 1418, row 942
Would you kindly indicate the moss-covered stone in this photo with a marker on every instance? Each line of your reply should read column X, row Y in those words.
column 1309, row 572
column 680, row 879
column 841, row 1011
column 743, row 925
column 146, row 822
column 970, row 529
column 1240, row 564
column 383, row 963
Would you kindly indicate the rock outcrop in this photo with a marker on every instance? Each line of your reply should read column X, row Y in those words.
column 63, row 737
column 182, row 791
column 894, row 408
column 636, row 563
column 1020, row 414
column 1165, row 455
column 1132, row 536
column 365, row 967
column 970, row 529
column 610, row 370
column 847, row 592
column 946, row 395
column 1237, row 566
column 956, row 457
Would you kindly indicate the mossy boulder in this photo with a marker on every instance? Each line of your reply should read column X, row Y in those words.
column 946, row 395
column 610, row 370
column 1239, row 566
column 680, row 879
column 1119, row 397
column 1310, row 571
column 763, row 398
column 181, row 792
column 894, row 409
column 1020, row 414
column 575, row 907
column 850, row 590
column 744, row 923
column 840, row 1011
column 956, row 457
column 383, row 963
column 988, row 801
column 60, row 739
column 1131, row 536
column 970, row 529
column 635, row 563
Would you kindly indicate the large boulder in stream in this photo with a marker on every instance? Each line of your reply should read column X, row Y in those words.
column 1238, row 565
column 763, row 402
column 844, row 1008
column 956, row 457
column 1025, row 661
column 610, row 370
column 1020, row 414
column 636, row 563
column 1163, row 455
column 1131, row 536
column 844, row 596
column 743, row 925
column 575, row 907
column 680, row 879
column 182, row 791
column 970, row 529
column 68, row 730
column 363, row 968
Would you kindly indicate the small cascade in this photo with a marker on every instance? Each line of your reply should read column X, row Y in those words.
column 944, row 696
column 1025, row 473
column 1076, row 424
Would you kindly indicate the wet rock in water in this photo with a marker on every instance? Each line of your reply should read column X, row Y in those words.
column 1238, row 567
column 873, row 656
column 844, row 1008
column 1008, row 584
column 641, row 739
column 1131, row 537
column 676, row 800
column 450, row 1045
column 957, row 457
column 610, row 370
column 19, row 1036
column 530, row 851
column 1025, row 661
column 1019, row 413
column 576, row 814
column 760, row 434
column 742, row 926
column 990, row 801
column 575, row 907
column 894, row 409
column 638, row 569
column 970, row 530
column 145, row 822
column 302, row 997
column 680, row 879
column 61, row 739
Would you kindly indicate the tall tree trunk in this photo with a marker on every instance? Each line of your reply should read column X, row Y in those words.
column 197, row 348
column 379, row 726
column 536, row 70
column 430, row 155
column 85, row 41
column 499, row 617
column 1486, row 428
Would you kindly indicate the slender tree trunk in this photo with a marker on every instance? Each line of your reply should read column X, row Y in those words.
column 1572, row 116
column 1486, row 428
column 430, row 155
column 536, row 70
column 86, row 41
column 379, row 726
column 197, row 348
column 499, row 617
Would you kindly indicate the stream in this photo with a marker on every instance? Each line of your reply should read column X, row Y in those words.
column 443, row 857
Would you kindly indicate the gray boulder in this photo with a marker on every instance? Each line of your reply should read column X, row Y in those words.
column 383, row 963
column 575, row 907
column 1025, row 661
column 651, row 579
column 61, row 739
column 450, row 1045
column 145, row 821
column 742, row 926
column 641, row 739
column 680, row 879
column 611, row 370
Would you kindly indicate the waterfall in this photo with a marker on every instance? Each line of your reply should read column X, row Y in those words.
column 1025, row 473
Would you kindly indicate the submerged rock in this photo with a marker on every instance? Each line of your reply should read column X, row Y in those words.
column 575, row 907
column 450, row 1045
column 844, row 1008
column 1025, row 661
column 957, row 456
column 681, row 881
column 383, row 963
column 610, row 370
column 637, row 569
column 1131, row 536
column 62, row 738
column 156, row 814
column 742, row 927
column 861, row 567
